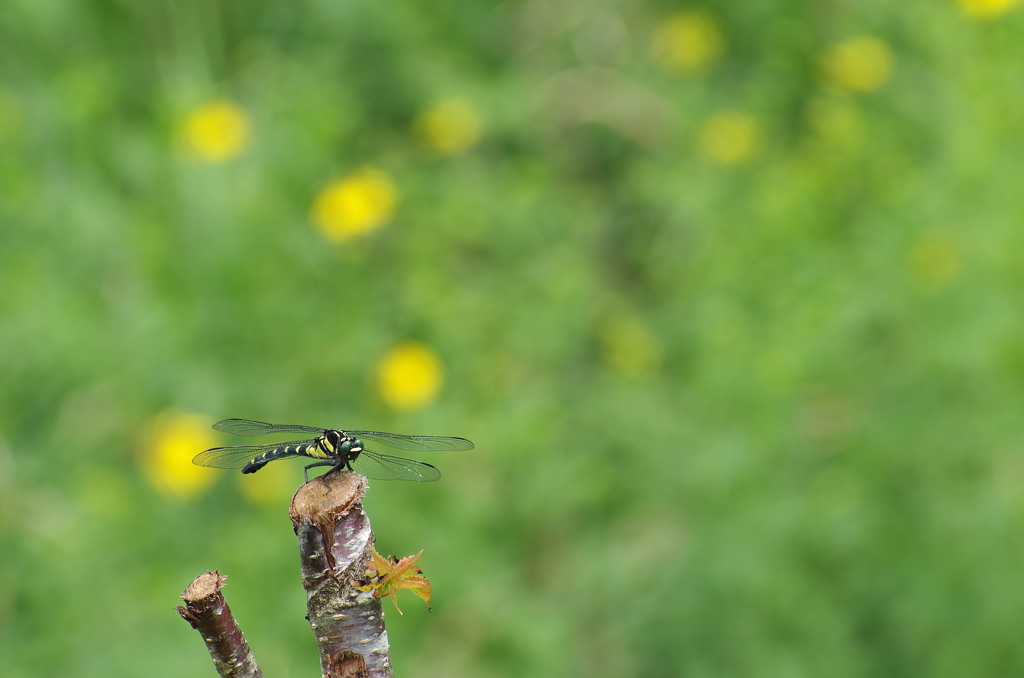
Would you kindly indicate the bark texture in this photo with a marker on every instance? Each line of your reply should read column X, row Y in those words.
column 207, row 611
column 334, row 544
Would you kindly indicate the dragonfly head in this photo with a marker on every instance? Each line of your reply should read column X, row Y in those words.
column 342, row 444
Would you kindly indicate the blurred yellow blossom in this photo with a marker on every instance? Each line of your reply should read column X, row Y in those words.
column 687, row 41
column 171, row 441
column 409, row 376
column 216, row 131
column 986, row 9
column 729, row 137
column 355, row 205
column 935, row 262
column 630, row 348
column 449, row 127
column 860, row 64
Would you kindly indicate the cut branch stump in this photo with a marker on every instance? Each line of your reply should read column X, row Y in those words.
column 335, row 543
column 207, row 611
column 335, row 546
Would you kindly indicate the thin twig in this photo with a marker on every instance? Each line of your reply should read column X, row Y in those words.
column 207, row 611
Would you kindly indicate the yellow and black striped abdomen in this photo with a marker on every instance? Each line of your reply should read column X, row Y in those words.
column 306, row 450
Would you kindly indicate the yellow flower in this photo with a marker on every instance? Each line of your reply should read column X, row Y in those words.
column 171, row 441
column 685, row 42
column 985, row 9
column 729, row 137
column 449, row 127
column 630, row 348
column 355, row 205
column 935, row 262
column 409, row 376
column 216, row 131
column 861, row 64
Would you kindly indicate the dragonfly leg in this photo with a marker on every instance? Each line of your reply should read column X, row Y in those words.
column 319, row 463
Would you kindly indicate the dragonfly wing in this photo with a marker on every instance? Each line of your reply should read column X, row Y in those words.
column 385, row 467
column 404, row 442
column 238, row 455
column 248, row 427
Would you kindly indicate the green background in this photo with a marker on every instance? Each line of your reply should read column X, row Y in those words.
column 818, row 472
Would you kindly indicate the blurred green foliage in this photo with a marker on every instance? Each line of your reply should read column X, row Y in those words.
column 746, row 395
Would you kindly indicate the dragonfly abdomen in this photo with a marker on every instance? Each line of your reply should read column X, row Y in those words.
column 261, row 460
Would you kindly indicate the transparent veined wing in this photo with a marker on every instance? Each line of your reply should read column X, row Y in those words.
column 239, row 455
column 404, row 442
column 249, row 427
column 385, row 467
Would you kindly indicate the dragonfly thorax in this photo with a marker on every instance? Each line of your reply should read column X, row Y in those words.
column 337, row 443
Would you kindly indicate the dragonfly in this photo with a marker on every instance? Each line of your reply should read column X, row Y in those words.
column 330, row 447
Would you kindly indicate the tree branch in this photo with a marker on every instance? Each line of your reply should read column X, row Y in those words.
column 207, row 611
column 335, row 542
